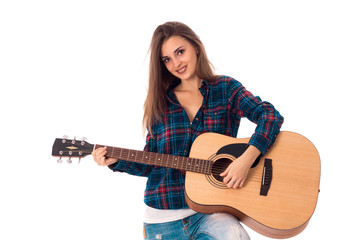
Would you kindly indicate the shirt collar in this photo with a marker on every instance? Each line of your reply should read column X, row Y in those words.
column 204, row 89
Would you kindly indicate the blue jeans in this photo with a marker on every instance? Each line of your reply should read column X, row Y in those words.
column 217, row 226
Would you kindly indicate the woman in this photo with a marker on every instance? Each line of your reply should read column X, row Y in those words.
column 185, row 99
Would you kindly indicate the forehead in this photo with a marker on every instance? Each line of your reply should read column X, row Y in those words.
column 173, row 43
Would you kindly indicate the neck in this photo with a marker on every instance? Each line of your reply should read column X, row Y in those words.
column 189, row 84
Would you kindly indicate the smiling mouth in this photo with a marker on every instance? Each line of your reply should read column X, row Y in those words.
column 181, row 70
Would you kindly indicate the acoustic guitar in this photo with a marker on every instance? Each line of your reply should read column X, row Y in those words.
column 280, row 193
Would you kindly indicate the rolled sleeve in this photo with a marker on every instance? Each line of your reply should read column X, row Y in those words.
column 263, row 113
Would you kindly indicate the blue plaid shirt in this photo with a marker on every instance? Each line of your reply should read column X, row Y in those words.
column 225, row 102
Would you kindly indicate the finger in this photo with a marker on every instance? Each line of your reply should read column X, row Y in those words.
column 99, row 155
column 101, row 152
column 101, row 161
column 230, row 183
column 223, row 174
column 236, row 184
column 227, row 179
column 109, row 161
column 96, row 152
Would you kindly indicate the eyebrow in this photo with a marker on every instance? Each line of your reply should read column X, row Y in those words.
column 174, row 52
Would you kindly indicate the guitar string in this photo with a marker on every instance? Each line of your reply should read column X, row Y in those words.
column 214, row 170
column 203, row 164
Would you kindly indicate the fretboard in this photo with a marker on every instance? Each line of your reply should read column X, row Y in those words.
column 158, row 159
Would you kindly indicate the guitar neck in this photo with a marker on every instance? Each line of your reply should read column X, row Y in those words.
column 158, row 159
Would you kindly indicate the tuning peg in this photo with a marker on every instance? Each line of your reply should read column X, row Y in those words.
column 83, row 141
column 59, row 160
column 69, row 160
column 64, row 138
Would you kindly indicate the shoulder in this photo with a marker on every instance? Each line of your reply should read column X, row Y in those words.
column 224, row 80
column 226, row 83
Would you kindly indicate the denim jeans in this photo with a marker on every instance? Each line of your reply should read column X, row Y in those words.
column 217, row 226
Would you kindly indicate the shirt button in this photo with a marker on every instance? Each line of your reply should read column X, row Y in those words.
column 197, row 119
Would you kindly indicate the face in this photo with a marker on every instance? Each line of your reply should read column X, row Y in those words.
column 179, row 57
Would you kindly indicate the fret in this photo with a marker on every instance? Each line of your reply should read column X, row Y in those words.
column 135, row 154
column 167, row 161
column 202, row 165
column 206, row 169
column 131, row 155
column 128, row 153
column 175, row 162
column 141, row 158
column 160, row 160
column 185, row 165
column 152, row 158
column 182, row 165
column 108, row 151
column 150, row 161
column 199, row 162
column 120, row 154
column 112, row 151
column 157, row 159
column 199, row 169
column 191, row 164
column 209, row 167
column 146, row 157
column 188, row 164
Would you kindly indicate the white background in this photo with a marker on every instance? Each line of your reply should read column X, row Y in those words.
column 80, row 68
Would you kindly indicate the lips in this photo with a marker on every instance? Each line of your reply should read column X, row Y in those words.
column 181, row 70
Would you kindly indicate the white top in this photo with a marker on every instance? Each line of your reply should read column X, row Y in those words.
column 153, row 215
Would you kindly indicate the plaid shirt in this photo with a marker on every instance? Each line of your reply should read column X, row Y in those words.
column 225, row 102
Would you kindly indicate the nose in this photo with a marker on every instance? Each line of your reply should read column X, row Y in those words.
column 176, row 63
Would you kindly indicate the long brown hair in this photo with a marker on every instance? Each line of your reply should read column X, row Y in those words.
column 160, row 79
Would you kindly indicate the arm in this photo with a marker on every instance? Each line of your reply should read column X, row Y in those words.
column 268, row 121
column 262, row 113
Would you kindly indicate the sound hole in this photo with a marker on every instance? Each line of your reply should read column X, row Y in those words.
column 219, row 166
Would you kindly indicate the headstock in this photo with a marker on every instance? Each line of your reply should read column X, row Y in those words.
column 72, row 148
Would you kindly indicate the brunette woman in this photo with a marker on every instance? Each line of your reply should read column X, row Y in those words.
column 185, row 99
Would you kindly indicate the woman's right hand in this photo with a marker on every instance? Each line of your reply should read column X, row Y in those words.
column 100, row 159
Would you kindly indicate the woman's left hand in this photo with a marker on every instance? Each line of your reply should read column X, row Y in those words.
column 235, row 174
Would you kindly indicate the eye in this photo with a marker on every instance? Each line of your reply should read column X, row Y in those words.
column 181, row 51
column 166, row 60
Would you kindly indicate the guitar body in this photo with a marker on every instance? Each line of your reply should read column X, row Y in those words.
column 288, row 203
